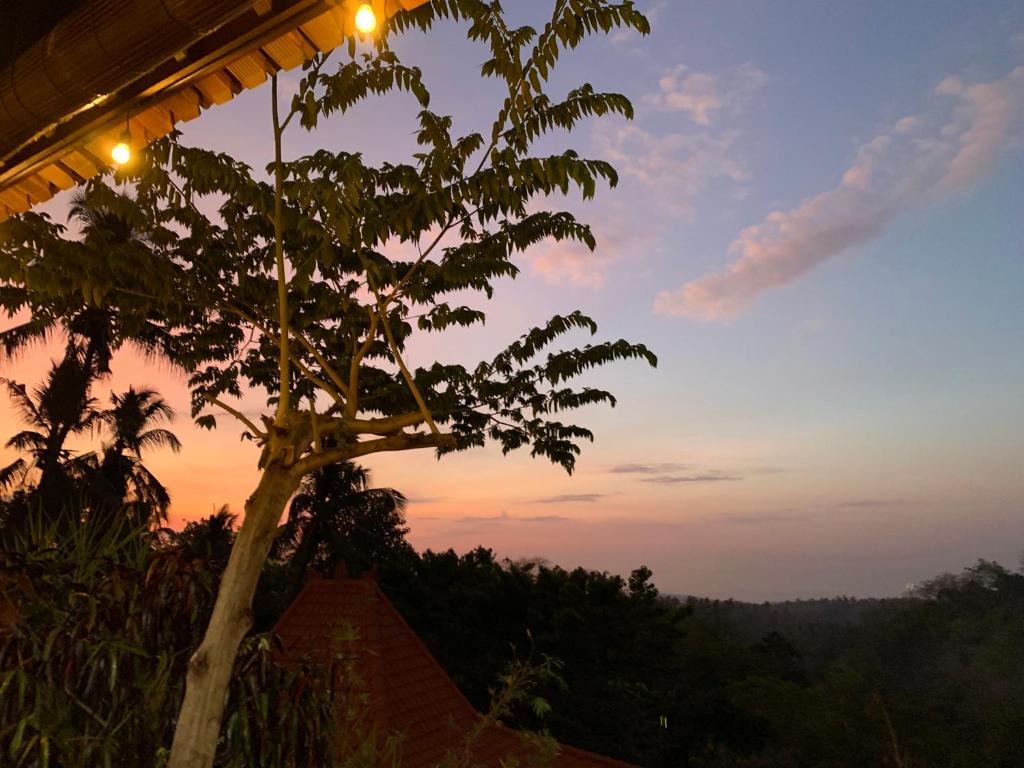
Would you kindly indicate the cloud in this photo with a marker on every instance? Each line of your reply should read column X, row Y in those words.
column 572, row 262
column 647, row 469
column 653, row 11
column 920, row 159
column 673, row 168
column 668, row 473
column 870, row 503
column 424, row 499
column 504, row 517
column 700, row 94
column 570, row 498
column 661, row 174
column 713, row 477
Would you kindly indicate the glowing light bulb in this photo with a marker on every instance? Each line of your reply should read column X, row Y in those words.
column 366, row 19
column 122, row 151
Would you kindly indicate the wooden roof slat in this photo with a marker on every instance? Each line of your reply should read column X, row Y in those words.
column 14, row 200
column 325, row 31
column 286, row 52
column 249, row 69
column 57, row 176
column 80, row 164
column 216, row 87
column 36, row 188
column 183, row 105
column 156, row 122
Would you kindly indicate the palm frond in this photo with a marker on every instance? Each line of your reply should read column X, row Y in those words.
column 36, row 331
column 14, row 474
column 159, row 438
column 23, row 403
column 27, row 441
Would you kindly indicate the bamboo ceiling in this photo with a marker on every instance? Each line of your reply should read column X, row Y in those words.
column 257, row 39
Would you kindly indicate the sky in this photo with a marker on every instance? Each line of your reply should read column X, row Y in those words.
column 818, row 230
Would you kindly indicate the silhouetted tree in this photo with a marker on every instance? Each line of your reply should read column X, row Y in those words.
column 54, row 411
column 208, row 539
column 338, row 518
column 135, row 425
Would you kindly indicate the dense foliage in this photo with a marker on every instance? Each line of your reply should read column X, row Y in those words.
column 931, row 680
column 96, row 628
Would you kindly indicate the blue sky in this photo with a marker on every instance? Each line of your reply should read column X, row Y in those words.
column 818, row 230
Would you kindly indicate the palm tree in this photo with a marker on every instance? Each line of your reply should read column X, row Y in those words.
column 208, row 540
column 336, row 517
column 134, row 424
column 93, row 334
column 54, row 411
column 97, row 332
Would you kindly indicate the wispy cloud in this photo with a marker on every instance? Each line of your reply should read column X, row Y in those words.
column 648, row 469
column 918, row 160
column 570, row 498
column 673, row 167
column 870, row 503
column 505, row 517
column 713, row 477
column 662, row 173
column 653, row 11
column 700, row 95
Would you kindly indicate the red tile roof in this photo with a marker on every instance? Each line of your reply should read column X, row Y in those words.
column 408, row 694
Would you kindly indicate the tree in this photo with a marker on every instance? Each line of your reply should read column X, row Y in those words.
column 135, row 425
column 208, row 540
column 337, row 518
column 288, row 288
column 94, row 328
column 57, row 409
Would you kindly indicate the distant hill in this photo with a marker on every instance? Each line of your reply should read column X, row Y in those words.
column 749, row 622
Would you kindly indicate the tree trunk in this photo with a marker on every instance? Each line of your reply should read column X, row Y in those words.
column 199, row 721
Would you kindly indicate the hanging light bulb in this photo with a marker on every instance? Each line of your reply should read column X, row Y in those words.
column 122, row 151
column 366, row 19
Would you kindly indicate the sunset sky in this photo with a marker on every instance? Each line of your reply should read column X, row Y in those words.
column 820, row 232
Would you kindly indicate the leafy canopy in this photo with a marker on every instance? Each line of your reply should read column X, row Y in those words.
column 363, row 258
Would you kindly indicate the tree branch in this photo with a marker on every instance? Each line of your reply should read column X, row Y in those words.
column 417, row 395
column 322, row 362
column 385, row 426
column 399, row 442
column 237, row 414
column 353, row 374
column 284, row 359
column 296, row 361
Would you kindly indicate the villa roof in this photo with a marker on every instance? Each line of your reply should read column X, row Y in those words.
column 75, row 73
column 409, row 695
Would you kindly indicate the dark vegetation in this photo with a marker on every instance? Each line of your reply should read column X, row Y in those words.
column 936, row 679
column 100, row 608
